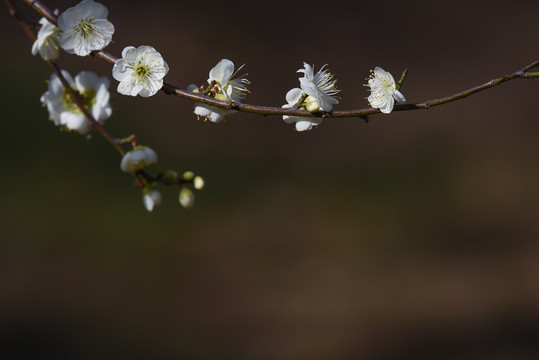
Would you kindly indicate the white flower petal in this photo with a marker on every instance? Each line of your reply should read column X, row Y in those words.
column 76, row 122
column 222, row 72
column 303, row 125
column 293, row 96
column 399, row 97
column 136, row 88
column 387, row 107
column 128, row 54
column 308, row 71
column 202, row 110
column 88, row 8
column 289, row 119
column 151, row 199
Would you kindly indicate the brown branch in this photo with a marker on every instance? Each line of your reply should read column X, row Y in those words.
column 24, row 24
column 267, row 110
column 170, row 89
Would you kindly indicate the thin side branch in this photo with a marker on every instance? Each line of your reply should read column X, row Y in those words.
column 143, row 177
column 16, row 14
column 401, row 80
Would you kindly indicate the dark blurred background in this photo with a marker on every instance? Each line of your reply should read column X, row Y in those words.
column 414, row 236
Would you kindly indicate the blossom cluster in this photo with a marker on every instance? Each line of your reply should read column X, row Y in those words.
column 77, row 104
column 85, row 28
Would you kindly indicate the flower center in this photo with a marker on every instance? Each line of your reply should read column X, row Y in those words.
column 87, row 98
column 85, row 28
column 141, row 71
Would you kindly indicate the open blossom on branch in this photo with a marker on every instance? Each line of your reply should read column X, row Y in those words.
column 137, row 159
column 302, row 123
column 317, row 93
column 321, row 86
column 94, row 95
column 47, row 41
column 221, row 86
column 85, row 28
column 151, row 198
column 140, row 71
column 383, row 91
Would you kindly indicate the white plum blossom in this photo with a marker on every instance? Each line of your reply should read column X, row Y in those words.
column 232, row 89
column 317, row 93
column 320, row 86
column 151, row 198
column 137, row 159
column 140, row 71
column 85, row 28
column 209, row 112
column 94, row 95
column 302, row 123
column 47, row 41
column 221, row 86
column 383, row 91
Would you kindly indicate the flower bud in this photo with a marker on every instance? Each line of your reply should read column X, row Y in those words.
column 187, row 197
column 170, row 177
column 138, row 158
column 312, row 106
column 198, row 182
column 188, row 175
column 220, row 96
column 151, row 198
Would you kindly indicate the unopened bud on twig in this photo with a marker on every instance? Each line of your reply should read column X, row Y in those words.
column 312, row 106
column 198, row 182
column 170, row 177
column 187, row 198
column 188, row 175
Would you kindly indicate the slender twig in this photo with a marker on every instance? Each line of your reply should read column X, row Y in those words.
column 268, row 110
column 15, row 13
column 401, row 80
column 143, row 178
